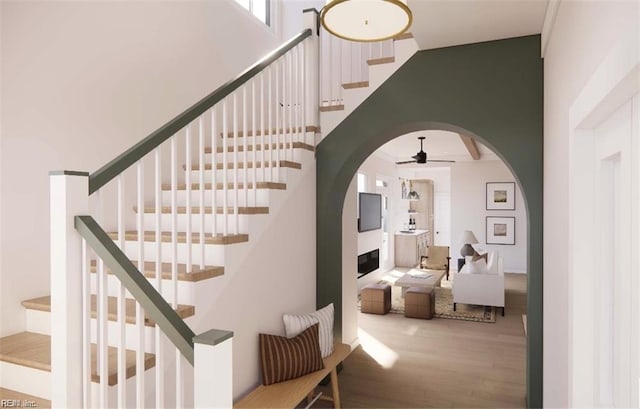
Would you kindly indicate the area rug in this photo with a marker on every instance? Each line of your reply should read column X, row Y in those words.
column 444, row 305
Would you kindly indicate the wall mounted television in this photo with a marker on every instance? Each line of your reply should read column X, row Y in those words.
column 370, row 212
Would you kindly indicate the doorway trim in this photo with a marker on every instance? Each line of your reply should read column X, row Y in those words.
column 614, row 83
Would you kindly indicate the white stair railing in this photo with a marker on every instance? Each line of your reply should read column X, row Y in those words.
column 163, row 221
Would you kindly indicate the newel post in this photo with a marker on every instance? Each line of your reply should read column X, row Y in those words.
column 312, row 68
column 213, row 369
column 69, row 197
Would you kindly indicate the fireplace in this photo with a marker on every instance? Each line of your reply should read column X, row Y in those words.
column 368, row 262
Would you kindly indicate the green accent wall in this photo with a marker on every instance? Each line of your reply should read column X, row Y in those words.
column 492, row 91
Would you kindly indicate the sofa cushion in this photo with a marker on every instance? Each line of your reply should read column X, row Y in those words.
column 476, row 267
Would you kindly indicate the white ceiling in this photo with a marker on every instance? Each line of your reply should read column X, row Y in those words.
column 443, row 23
column 438, row 145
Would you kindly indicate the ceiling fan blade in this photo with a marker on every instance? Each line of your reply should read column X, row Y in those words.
column 441, row 161
column 405, row 162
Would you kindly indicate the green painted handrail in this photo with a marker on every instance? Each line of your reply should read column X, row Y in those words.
column 135, row 282
column 112, row 169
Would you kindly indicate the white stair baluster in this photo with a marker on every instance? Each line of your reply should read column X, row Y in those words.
column 290, row 117
column 122, row 319
column 235, row 161
column 255, row 138
column 201, row 166
column 140, row 350
column 245, row 130
column 174, row 216
column 225, row 167
column 159, row 386
column 278, row 124
column 214, row 167
column 271, row 102
column 263, row 130
column 188, row 209
column 86, row 327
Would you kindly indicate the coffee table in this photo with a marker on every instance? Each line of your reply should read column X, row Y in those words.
column 408, row 280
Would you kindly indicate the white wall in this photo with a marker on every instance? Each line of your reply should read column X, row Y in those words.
column 375, row 166
column 272, row 275
column 82, row 82
column 468, row 204
column 290, row 15
column 350, row 266
column 582, row 36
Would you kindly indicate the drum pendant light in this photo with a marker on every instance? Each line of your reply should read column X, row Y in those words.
column 366, row 20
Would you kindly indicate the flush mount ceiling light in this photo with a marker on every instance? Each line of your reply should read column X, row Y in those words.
column 366, row 20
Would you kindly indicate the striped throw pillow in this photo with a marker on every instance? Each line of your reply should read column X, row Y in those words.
column 295, row 324
column 284, row 358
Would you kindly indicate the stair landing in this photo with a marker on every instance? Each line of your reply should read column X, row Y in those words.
column 34, row 351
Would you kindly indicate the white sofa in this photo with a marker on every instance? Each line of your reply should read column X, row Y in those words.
column 486, row 288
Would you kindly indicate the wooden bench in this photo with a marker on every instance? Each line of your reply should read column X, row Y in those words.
column 289, row 393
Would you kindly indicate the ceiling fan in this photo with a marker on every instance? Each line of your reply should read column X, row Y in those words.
column 421, row 157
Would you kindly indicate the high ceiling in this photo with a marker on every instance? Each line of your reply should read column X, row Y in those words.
column 444, row 23
column 438, row 145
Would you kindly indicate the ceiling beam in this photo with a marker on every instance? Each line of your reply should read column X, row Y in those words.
column 471, row 146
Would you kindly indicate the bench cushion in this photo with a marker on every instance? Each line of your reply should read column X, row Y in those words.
column 285, row 358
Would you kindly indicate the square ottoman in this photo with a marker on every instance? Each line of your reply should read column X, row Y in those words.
column 420, row 302
column 375, row 299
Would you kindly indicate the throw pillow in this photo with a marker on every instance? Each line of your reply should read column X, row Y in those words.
column 295, row 324
column 283, row 358
column 478, row 267
column 477, row 256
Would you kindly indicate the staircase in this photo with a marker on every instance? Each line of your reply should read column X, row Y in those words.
column 189, row 229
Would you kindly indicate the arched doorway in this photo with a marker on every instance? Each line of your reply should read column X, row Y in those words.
column 490, row 91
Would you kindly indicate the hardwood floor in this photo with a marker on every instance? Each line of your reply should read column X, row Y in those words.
column 440, row 363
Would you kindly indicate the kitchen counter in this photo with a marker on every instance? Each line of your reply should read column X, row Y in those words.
column 411, row 233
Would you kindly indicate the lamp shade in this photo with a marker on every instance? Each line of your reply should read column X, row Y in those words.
column 366, row 20
column 467, row 237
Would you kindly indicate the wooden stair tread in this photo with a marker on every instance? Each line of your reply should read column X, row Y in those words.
column 359, row 84
column 44, row 304
column 260, row 147
column 250, row 165
column 208, row 210
column 379, row 61
column 25, row 399
column 329, row 108
column 280, row 131
column 404, row 36
column 230, row 185
column 195, row 275
column 166, row 236
column 34, row 351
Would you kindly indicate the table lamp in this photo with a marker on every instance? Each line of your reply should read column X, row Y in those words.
column 467, row 238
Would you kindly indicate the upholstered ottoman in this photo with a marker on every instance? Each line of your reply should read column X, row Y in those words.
column 420, row 302
column 375, row 299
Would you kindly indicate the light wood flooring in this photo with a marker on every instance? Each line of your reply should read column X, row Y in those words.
column 442, row 363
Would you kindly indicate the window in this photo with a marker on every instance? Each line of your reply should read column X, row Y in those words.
column 362, row 182
column 261, row 9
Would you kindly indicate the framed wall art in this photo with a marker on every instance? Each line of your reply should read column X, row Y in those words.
column 501, row 196
column 501, row 230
